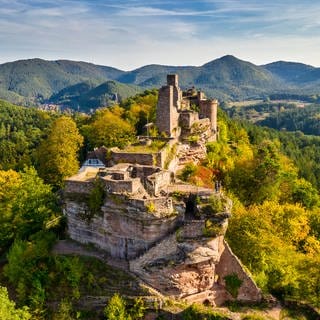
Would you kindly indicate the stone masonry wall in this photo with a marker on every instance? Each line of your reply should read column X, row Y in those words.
column 146, row 159
column 187, row 119
column 159, row 181
column 208, row 109
column 74, row 186
column 122, row 186
column 167, row 113
column 229, row 264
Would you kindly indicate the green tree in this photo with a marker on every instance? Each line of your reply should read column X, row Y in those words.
column 108, row 128
column 138, row 309
column 58, row 154
column 10, row 182
column 26, row 206
column 274, row 241
column 8, row 310
column 141, row 109
column 65, row 311
column 26, row 257
column 116, row 309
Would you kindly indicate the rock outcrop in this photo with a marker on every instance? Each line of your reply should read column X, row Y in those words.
column 171, row 233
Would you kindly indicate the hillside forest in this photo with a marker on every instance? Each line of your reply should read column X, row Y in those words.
column 85, row 86
column 272, row 177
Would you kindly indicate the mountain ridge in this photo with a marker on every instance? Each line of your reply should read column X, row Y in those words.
column 33, row 81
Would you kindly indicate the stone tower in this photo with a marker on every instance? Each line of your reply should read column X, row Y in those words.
column 208, row 109
column 169, row 103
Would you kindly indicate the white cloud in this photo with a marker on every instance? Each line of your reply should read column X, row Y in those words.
column 132, row 33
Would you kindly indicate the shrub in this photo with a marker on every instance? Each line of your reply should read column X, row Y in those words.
column 188, row 171
column 96, row 197
column 233, row 283
column 195, row 312
column 150, row 207
column 116, row 308
column 211, row 229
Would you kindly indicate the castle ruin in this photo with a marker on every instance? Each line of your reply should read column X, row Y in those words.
column 179, row 109
column 171, row 233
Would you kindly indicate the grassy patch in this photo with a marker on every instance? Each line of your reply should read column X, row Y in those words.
column 154, row 147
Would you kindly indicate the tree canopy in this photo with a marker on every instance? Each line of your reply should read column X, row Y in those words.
column 58, row 153
column 8, row 308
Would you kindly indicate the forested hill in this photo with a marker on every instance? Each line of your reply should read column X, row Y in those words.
column 227, row 78
column 296, row 73
column 272, row 177
column 88, row 95
column 35, row 79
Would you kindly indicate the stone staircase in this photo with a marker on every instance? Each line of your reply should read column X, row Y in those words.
column 165, row 247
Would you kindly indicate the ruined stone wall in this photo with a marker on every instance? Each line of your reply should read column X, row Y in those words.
column 162, row 155
column 208, row 109
column 157, row 207
column 165, row 103
column 122, row 186
column 229, row 264
column 130, row 157
column 187, row 119
column 148, row 159
column 157, row 182
column 177, row 97
column 172, row 80
column 167, row 114
column 161, row 180
column 144, row 171
column 81, row 187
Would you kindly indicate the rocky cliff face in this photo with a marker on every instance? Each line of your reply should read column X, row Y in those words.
column 174, row 242
column 195, row 270
column 124, row 227
column 195, row 263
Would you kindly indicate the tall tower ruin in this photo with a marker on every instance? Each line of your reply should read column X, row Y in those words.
column 208, row 109
column 174, row 111
column 169, row 103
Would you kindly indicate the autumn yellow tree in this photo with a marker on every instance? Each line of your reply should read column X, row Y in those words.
column 8, row 309
column 58, row 154
column 277, row 243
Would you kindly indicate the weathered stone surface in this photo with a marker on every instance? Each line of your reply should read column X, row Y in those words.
column 194, row 270
column 197, row 251
column 229, row 264
column 121, row 230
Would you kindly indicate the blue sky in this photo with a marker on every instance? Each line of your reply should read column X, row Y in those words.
column 132, row 33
